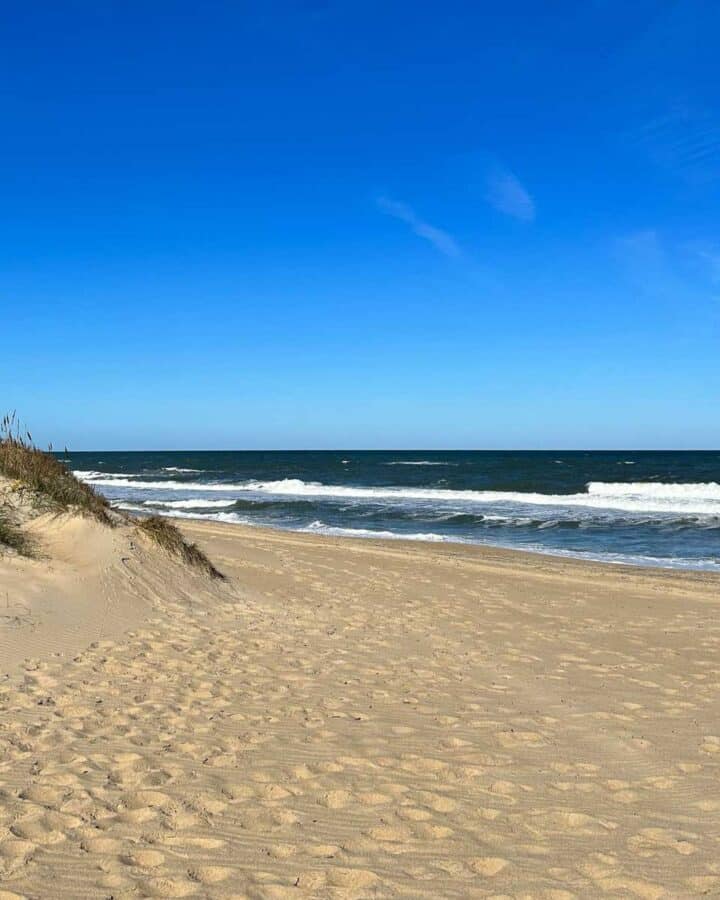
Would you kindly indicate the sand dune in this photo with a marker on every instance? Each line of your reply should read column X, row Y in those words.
column 78, row 593
column 353, row 719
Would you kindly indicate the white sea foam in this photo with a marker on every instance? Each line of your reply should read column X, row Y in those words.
column 229, row 518
column 321, row 528
column 419, row 462
column 698, row 499
column 655, row 490
column 105, row 479
column 90, row 475
column 658, row 497
column 189, row 504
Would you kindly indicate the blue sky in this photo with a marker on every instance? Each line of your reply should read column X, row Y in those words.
column 343, row 224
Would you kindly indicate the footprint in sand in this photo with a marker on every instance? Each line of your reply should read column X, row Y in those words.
column 489, row 866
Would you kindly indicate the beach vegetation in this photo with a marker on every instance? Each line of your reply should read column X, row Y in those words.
column 170, row 538
column 13, row 537
column 51, row 484
column 42, row 473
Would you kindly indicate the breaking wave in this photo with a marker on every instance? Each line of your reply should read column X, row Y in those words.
column 571, row 504
column 318, row 527
column 639, row 497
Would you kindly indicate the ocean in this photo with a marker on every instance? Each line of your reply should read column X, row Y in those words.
column 652, row 508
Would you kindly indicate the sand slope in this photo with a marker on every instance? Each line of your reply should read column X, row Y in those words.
column 367, row 719
column 76, row 593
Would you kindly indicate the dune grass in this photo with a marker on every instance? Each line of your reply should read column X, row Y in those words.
column 12, row 536
column 53, row 484
column 41, row 472
column 169, row 536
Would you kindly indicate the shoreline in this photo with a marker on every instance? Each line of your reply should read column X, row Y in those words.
column 659, row 510
column 490, row 552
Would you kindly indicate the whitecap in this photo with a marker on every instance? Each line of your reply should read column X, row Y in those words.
column 699, row 499
column 190, row 504
column 702, row 499
column 419, row 462
column 318, row 527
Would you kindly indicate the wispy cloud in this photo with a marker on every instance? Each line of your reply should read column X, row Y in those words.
column 440, row 239
column 685, row 140
column 662, row 268
column 507, row 194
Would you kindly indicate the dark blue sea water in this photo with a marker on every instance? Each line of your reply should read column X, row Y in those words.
column 650, row 507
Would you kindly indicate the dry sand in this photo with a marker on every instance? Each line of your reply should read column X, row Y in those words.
column 353, row 719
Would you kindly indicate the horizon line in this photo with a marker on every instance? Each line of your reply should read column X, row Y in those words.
column 401, row 450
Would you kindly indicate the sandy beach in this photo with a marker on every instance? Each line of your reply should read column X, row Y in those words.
column 360, row 450
column 348, row 718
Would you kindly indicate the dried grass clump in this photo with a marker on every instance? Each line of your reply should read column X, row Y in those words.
column 13, row 537
column 169, row 537
column 42, row 473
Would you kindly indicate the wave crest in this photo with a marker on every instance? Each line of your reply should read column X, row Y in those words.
column 637, row 497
